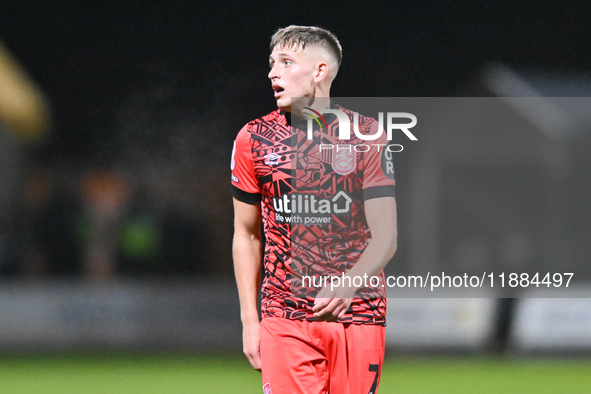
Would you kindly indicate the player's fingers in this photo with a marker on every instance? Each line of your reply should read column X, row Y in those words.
column 331, row 317
column 256, row 362
column 320, row 303
column 340, row 308
column 342, row 312
column 323, row 298
column 335, row 310
column 327, row 312
column 254, row 359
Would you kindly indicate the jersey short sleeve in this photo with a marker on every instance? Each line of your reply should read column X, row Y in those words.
column 378, row 174
column 245, row 186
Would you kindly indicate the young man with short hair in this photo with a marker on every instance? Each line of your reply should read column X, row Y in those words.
column 312, row 339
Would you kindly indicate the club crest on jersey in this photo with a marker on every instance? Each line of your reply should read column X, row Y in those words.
column 272, row 159
column 344, row 160
column 267, row 388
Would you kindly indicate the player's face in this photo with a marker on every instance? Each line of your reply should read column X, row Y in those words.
column 292, row 74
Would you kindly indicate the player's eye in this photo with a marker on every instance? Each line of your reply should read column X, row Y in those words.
column 287, row 62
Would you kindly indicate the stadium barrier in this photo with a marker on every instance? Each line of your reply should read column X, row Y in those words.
column 195, row 316
column 119, row 315
column 442, row 324
column 552, row 325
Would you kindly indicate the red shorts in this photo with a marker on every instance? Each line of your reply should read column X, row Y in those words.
column 320, row 358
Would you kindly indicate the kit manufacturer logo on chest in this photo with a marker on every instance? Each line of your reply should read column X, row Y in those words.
column 272, row 159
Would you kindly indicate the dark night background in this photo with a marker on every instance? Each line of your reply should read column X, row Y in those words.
column 91, row 56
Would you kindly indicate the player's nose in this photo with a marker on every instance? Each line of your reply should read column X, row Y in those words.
column 273, row 73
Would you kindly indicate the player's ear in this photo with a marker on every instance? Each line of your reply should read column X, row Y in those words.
column 321, row 71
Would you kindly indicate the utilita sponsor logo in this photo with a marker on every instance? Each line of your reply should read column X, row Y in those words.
column 345, row 124
column 308, row 203
column 309, row 209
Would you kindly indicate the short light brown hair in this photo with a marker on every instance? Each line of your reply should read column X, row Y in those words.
column 293, row 37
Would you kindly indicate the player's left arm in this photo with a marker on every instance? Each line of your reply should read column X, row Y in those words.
column 380, row 213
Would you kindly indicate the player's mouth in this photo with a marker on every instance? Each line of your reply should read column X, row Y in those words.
column 278, row 90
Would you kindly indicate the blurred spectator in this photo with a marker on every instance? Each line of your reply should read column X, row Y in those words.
column 161, row 235
column 140, row 237
column 99, row 224
column 106, row 197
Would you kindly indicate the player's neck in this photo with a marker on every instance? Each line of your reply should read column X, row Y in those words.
column 301, row 107
column 300, row 119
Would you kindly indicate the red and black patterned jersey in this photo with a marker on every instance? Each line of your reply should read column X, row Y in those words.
column 311, row 189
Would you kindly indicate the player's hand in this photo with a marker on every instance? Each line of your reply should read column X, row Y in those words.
column 331, row 305
column 251, row 344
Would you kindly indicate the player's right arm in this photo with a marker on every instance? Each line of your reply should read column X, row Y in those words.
column 247, row 268
column 247, row 243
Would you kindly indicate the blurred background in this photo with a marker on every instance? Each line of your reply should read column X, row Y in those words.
column 116, row 125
